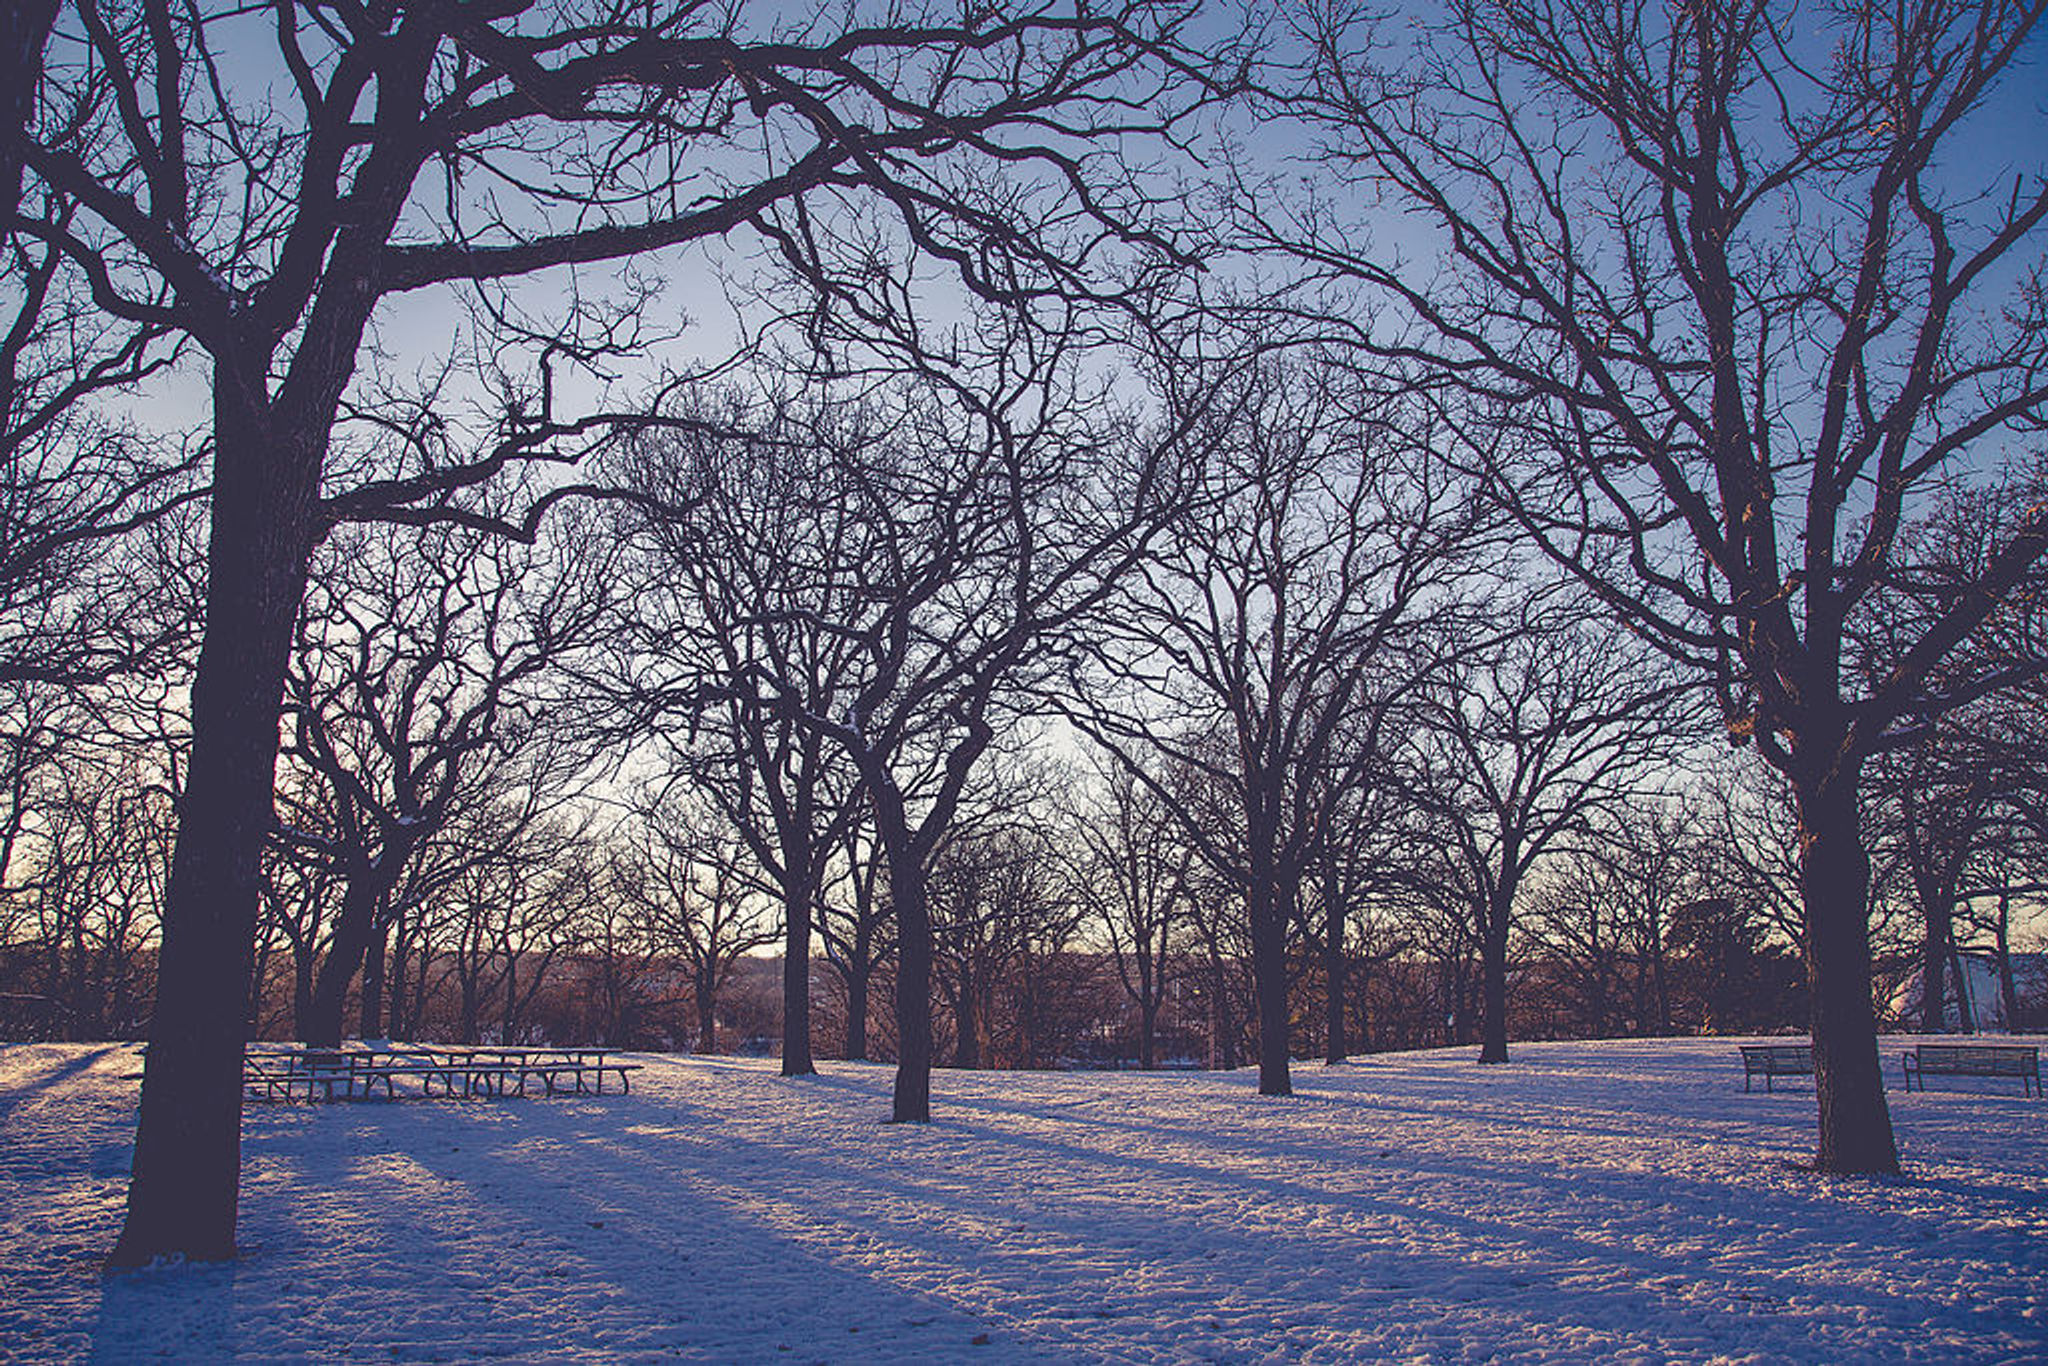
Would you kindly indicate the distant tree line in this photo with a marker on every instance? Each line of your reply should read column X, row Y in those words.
column 1072, row 928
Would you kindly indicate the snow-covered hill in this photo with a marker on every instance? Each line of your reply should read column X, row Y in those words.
column 1610, row 1201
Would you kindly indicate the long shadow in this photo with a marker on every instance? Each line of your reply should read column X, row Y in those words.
column 1992, row 1197
column 1552, row 1122
column 19, row 1090
column 1805, row 1220
column 513, row 1254
column 1562, row 1303
column 811, row 1173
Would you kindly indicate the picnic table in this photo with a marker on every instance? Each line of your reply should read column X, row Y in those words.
column 446, row 1070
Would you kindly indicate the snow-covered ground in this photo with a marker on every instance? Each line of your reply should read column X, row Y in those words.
column 1612, row 1202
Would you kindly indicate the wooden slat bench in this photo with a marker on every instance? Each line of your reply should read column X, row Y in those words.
column 1772, row 1060
column 1973, row 1060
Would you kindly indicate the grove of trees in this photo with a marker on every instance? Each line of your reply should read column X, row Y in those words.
column 909, row 533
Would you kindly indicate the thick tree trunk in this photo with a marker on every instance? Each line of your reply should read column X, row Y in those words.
column 1936, row 949
column 397, row 1017
column 472, row 1007
column 1660, row 982
column 1148, row 1034
column 1269, row 979
column 1834, row 882
column 302, row 988
column 966, row 1030
column 321, row 1025
column 857, row 980
column 1337, row 1041
column 796, row 983
column 1966, row 1013
column 1493, row 980
column 1493, row 1023
column 370, row 1022
column 913, row 1092
column 182, row 1198
column 707, row 1018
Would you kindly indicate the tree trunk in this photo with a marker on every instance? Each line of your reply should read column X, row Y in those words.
column 707, row 1017
column 1834, row 882
column 913, row 1091
column 1148, row 1034
column 1222, row 1021
column 182, row 1197
column 1660, row 981
column 302, row 988
column 1966, row 1003
column 1493, row 1041
column 966, row 1027
column 1269, row 977
column 857, row 978
column 371, row 1022
column 2008, row 988
column 508, row 1018
column 1936, row 946
column 398, row 1018
column 321, row 1025
column 472, row 989
column 796, row 982
column 1338, row 1043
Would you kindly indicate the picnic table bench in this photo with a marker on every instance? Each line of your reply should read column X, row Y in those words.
column 1772, row 1060
column 507, row 1071
column 445, row 1070
column 1973, row 1060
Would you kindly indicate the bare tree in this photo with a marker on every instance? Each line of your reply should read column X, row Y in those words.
column 1603, row 912
column 981, row 496
column 1944, row 806
column 509, row 913
column 1745, row 310
column 1936, row 808
column 752, row 584
column 418, row 671
column 1003, row 915
column 1522, row 744
column 91, row 893
column 1135, row 885
column 1292, row 584
column 686, row 879
column 1355, row 868
column 855, row 927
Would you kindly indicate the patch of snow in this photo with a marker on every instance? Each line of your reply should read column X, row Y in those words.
column 1615, row 1201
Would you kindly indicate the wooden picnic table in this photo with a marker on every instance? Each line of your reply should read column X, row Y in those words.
column 447, row 1070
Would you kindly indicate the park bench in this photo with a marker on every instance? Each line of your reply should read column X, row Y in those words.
column 1973, row 1060
column 1772, row 1060
column 450, row 1072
